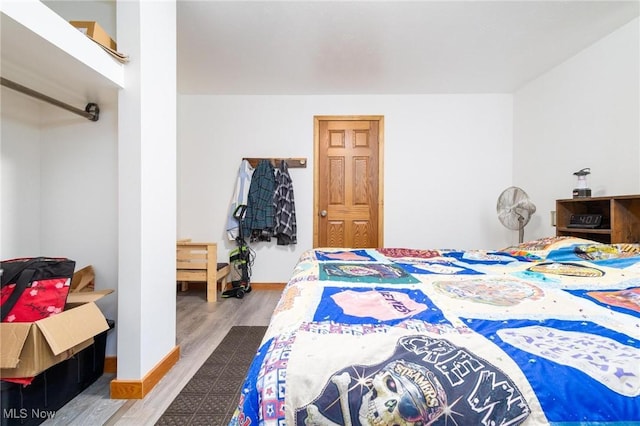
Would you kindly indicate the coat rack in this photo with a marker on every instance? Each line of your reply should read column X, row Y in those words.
column 292, row 163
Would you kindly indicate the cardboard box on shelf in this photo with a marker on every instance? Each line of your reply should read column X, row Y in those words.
column 27, row 349
column 96, row 32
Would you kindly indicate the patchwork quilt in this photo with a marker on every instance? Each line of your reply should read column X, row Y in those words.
column 546, row 332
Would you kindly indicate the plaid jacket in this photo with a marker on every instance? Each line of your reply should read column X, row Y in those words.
column 285, row 227
column 260, row 212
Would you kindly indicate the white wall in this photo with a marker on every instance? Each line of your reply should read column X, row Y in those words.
column 583, row 113
column 59, row 188
column 101, row 11
column 20, row 177
column 446, row 160
column 147, row 188
column 79, row 196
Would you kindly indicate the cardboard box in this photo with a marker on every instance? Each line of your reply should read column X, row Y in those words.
column 83, row 280
column 96, row 32
column 53, row 388
column 27, row 349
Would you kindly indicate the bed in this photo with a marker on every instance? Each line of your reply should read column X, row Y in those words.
column 545, row 332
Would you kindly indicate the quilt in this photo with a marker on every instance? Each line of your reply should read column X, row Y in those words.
column 542, row 333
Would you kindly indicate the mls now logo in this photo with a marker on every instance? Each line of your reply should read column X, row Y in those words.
column 23, row 413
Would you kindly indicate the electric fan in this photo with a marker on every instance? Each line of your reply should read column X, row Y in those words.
column 515, row 209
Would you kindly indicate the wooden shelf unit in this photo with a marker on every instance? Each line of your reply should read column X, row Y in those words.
column 620, row 218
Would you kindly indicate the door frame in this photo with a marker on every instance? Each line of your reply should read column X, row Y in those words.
column 316, row 168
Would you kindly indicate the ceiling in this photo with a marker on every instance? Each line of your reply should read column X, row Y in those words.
column 382, row 47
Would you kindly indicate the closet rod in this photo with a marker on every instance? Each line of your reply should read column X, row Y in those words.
column 91, row 111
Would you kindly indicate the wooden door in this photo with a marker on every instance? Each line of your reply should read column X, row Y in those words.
column 348, row 202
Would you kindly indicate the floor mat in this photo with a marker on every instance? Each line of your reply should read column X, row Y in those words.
column 212, row 394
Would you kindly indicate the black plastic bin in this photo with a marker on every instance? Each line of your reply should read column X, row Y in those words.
column 53, row 388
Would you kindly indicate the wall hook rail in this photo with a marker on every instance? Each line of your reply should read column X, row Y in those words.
column 295, row 163
column 90, row 112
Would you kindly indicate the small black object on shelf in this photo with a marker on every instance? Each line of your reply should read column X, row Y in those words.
column 585, row 220
column 582, row 190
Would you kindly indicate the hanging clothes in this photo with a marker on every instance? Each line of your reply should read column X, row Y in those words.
column 285, row 227
column 259, row 217
column 240, row 197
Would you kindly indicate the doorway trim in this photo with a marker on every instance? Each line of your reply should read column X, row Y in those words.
column 316, row 169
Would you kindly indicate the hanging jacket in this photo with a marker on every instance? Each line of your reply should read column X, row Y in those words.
column 240, row 196
column 285, row 227
column 258, row 221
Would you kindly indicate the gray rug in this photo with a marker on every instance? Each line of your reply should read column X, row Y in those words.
column 211, row 396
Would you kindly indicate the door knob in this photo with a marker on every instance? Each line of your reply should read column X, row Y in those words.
column 323, row 213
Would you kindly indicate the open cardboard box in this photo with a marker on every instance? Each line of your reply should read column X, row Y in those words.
column 93, row 30
column 27, row 349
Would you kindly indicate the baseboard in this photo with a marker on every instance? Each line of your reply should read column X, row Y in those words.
column 267, row 286
column 111, row 364
column 254, row 286
column 138, row 389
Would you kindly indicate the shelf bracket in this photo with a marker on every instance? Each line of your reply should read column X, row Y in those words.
column 90, row 112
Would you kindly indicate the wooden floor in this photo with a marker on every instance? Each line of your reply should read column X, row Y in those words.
column 200, row 327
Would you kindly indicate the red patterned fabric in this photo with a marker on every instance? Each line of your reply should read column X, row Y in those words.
column 34, row 288
column 44, row 298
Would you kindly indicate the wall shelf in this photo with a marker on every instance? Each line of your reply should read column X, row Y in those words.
column 620, row 218
column 44, row 52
